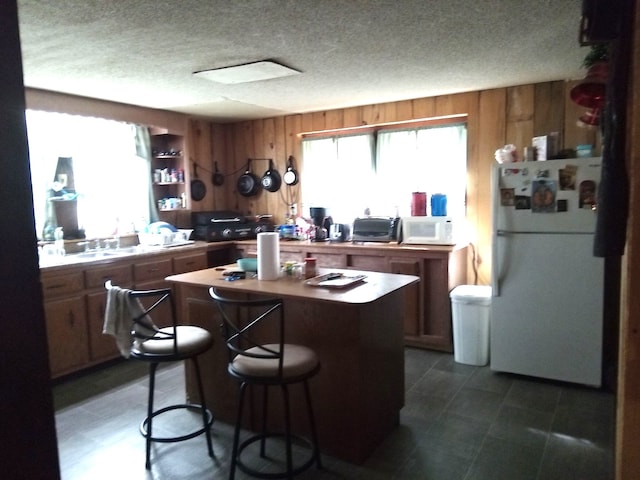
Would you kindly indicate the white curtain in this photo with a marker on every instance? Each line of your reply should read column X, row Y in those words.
column 110, row 179
column 431, row 160
column 347, row 176
column 337, row 175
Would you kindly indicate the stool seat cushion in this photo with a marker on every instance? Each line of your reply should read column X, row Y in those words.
column 191, row 341
column 298, row 360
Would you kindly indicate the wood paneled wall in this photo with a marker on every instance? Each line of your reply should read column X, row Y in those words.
column 494, row 118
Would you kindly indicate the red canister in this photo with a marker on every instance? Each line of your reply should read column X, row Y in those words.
column 418, row 204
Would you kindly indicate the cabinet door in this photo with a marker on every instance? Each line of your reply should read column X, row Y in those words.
column 329, row 260
column 369, row 262
column 101, row 346
column 413, row 299
column 67, row 334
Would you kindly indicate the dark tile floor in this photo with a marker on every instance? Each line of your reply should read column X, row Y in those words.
column 459, row 423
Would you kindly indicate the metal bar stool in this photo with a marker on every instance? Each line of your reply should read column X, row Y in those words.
column 276, row 364
column 127, row 318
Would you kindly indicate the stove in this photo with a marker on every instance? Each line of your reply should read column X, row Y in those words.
column 217, row 226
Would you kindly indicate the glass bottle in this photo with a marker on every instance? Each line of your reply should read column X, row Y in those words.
column 310, row 268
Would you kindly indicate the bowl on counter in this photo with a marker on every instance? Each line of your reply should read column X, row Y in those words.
column 248, row 264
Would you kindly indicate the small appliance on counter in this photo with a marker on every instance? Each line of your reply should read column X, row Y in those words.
column 339, row 232
column 216, row 226
column 322, row 224
column 427, row 231
column 374, row 229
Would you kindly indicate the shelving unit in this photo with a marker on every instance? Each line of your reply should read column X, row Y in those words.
column 169, row 174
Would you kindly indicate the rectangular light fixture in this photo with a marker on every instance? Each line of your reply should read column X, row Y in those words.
column 249, row 72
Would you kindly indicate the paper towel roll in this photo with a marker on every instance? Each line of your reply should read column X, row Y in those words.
column 268, row 256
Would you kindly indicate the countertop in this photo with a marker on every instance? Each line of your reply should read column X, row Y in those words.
column 374, row 286
column 59, row 262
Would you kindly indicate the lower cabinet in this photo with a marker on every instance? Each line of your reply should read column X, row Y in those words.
column 427, row 317
column 67, row 334
column 75, row 301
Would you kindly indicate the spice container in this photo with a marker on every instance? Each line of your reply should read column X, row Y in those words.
column 310, row 268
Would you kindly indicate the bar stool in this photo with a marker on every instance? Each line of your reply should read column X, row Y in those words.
column 129, row 321
column 276, row 364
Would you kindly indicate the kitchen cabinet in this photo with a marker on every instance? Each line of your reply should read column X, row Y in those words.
column 427, row 318
column 169, row 174
column 75, row 298
column 102, row 347
column 65, row 313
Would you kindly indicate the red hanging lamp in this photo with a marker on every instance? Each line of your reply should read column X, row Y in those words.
column 591, row 92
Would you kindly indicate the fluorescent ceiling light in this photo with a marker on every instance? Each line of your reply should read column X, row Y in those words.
column 249, row 72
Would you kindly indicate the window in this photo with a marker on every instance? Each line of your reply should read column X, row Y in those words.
column 379, row 171
column 111, row 181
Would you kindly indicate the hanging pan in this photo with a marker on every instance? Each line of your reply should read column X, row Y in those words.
column 217, row 178
column 198, row 188
column 271, row 180
column 290, row 177
column 248, row 183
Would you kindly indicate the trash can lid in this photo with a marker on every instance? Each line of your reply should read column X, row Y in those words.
column 472, row 294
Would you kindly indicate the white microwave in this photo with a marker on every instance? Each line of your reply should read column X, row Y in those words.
column 427, row 230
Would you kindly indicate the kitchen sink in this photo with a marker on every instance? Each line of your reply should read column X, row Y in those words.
column 106, row 253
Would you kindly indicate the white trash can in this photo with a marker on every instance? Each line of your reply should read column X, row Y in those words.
column 470, row 309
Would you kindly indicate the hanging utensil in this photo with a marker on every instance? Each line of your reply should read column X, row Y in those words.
column 271, row 180
column 217, row 178
column 248, row 184
column 290, row 177
column 198, row 188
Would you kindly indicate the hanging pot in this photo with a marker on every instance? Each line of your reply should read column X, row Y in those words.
column 217, row 178
column 248, row 183
column 271, row 180
column 198, row 188
column 290, row 177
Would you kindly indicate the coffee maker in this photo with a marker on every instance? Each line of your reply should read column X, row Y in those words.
column 322, row 224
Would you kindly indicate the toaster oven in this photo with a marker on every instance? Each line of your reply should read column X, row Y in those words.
column 374, row 229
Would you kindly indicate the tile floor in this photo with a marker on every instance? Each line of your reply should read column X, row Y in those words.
column 460, row 422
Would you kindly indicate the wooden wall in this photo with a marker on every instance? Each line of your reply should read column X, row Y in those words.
column 628, row 395
column 494, row 118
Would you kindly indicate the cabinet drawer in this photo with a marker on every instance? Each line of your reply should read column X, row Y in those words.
column 189, row 263
column 119, row 275
column 62, row 285
column 143, row 272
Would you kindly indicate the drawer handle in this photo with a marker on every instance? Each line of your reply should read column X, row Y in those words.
column 55, row 285
column 72, row 318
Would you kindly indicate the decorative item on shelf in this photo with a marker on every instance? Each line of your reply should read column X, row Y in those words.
column 591, row 92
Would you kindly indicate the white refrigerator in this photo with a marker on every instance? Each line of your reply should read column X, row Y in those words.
column 548, row 288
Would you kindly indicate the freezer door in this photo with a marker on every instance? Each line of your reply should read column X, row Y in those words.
column 547, row 318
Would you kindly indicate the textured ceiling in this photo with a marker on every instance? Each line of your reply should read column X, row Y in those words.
column 350, row 52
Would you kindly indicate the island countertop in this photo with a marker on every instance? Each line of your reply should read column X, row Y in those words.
column 356, row 332
column 374, row 285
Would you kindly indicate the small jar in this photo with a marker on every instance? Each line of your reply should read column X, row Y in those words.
column 310, row 268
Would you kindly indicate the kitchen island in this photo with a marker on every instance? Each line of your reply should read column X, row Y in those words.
column 357, row 333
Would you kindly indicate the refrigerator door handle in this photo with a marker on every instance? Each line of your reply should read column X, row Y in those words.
column 500, row 260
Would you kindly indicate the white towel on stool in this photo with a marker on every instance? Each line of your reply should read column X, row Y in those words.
column 119, row 313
